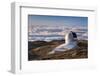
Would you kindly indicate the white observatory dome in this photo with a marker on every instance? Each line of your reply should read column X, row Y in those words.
column 70, row 43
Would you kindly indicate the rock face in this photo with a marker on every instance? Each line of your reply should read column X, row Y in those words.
column 38, row 50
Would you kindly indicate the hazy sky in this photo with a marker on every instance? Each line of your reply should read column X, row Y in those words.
column 57, row 20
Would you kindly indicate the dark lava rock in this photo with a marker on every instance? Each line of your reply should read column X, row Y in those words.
column 36, row 44
column 38, row 50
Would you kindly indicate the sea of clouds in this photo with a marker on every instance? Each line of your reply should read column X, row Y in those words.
column 49, row 33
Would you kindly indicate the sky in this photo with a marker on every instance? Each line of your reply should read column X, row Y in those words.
column 57, row 20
